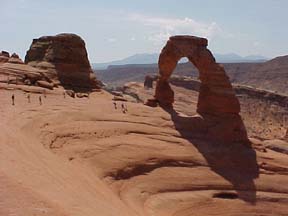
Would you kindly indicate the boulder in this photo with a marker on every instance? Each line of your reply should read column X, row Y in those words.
column 65, row 59
column 5, row 53
column 45, row 84
column 4, row 56
column 71, row 93
column 82, row 95
column 148, row 83
column 119, row 98
column 117, row 93
column 151, row 103
column 27, row 82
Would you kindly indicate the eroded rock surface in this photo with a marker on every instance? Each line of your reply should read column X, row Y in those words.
column 85, row 156
column 14, row 71
column 14, row 58
column 217, row 103
column 4, row 56
column 65, row 59
column 216, row 93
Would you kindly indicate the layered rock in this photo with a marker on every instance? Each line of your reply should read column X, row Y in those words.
column 216, row 93
column 15, row 59
column 65, row 59
column 217, row 103
column 4, row 56
column 14, row 71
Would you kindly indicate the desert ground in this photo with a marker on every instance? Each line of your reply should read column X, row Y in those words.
column 81, row 156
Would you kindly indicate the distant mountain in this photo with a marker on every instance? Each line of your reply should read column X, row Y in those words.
column 144, row 58
column 152, row 58
column 234, row 58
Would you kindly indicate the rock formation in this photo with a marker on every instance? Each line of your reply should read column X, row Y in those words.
column 148, row 82
column 216, row 93
column 65, row 58
column 218, row 106
column 15, row 59
column 4, row 56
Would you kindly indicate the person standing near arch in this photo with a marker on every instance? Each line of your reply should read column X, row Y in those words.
column 40, row 100
column 13, row 99
column 28, row 97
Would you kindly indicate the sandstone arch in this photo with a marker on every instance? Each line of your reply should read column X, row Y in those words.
column 216, row 95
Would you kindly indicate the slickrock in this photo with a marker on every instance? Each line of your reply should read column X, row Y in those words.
column 65, row 59
column 86, row 157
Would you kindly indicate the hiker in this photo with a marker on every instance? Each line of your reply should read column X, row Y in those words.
column 13, row 99
column 28, row 97
column 115, row 105
column 40, row 100
column 64, row 94
column 123, row 108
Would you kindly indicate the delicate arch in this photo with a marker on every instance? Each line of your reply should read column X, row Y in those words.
column 216, row 95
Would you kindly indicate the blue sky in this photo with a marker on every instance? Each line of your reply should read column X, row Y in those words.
column 116, row 29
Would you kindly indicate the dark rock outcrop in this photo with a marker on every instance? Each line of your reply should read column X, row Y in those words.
column 4, row 56
column 65, row 59
column 148, row 82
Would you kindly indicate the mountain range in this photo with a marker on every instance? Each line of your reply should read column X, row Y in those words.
column 152, row 58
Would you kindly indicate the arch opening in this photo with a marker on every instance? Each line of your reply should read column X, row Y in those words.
column 186, row 68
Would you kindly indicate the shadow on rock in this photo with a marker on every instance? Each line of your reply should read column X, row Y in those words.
column 225, row 146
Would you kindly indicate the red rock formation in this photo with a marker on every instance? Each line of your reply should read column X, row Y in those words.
column 65, row 58
column 4, row 56
column 218, row 106
column 148, row 83
column 15, row 59
column 216, row 93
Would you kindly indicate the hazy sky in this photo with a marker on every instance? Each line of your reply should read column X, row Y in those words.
column 117, row 29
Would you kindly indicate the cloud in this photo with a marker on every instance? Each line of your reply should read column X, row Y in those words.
column 256, row 44
column 162, row 28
